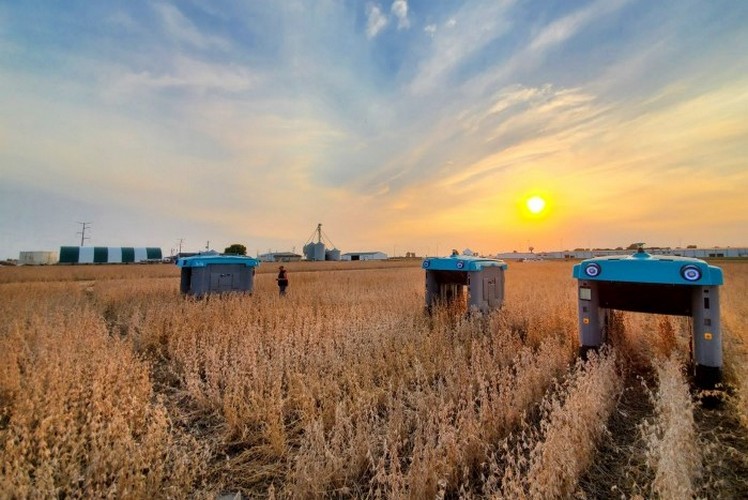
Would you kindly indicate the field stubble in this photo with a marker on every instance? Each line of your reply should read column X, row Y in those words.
column 112, row 384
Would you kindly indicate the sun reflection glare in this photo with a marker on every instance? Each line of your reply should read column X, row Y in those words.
column 535, row 204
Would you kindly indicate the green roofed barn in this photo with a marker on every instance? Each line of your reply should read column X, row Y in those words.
column 109, row 255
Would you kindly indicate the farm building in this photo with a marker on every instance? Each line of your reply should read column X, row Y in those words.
column 38, row 258
column 108, row 255
column 279, row 257
column 364, row 256
column 704, row 253
column 698, row 253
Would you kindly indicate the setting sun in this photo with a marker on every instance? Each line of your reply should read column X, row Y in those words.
column 535, row 204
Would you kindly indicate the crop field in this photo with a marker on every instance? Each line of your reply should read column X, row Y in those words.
column 114, row 385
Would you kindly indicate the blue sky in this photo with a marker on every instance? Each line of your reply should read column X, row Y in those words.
column 401, row 126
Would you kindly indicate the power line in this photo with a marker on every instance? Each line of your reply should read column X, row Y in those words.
column 82, row 232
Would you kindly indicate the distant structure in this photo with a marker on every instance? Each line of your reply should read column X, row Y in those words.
column 279, row 257
column 82, row 232
column 316, row 250
column 182, row 255
column 364, row 256
column 109, row 255
column 694, row 253
column 332, row 254
column 38, row 258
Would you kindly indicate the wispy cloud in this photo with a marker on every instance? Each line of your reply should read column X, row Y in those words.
column 400, row 11
column 473, row 27
column 376, row 20
column 182, row 30
column 566, row 27
column 189, row 73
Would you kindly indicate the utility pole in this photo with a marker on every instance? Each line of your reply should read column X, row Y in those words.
column 82, row 232
column 181, row 240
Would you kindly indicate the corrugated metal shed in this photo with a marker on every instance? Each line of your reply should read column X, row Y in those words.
column 108, row 255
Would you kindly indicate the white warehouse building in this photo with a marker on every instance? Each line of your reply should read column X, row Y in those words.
column 38, row 258
column 364, row 256
column 699, row 253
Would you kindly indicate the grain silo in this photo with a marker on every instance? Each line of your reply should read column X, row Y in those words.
column 319, row 251
column 309, row 251
column 316, row 250
column 332, row 254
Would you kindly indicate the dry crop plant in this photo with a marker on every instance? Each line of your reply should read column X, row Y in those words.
column 673, row 449
column 28, row 274
column 78, row 411
column 345, row 386
column 545, row 460
column 735, row 329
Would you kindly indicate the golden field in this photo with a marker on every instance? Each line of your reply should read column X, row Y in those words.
column 114, row 385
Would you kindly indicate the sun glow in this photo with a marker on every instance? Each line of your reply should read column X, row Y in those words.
column 535, row 204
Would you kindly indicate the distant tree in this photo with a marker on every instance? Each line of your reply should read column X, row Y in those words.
column 236, row 249
column 619, row 248
column 691, row 246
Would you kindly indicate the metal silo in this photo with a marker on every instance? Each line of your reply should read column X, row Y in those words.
column 332, row 254
column 309, row 251
column 319, row 251
column 315, row 249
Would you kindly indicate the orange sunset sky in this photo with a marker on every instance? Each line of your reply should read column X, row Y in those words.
column 399, row 125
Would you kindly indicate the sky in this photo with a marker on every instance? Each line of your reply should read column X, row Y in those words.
column 406, row 125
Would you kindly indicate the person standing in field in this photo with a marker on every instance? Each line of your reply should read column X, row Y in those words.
column 282, row 280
